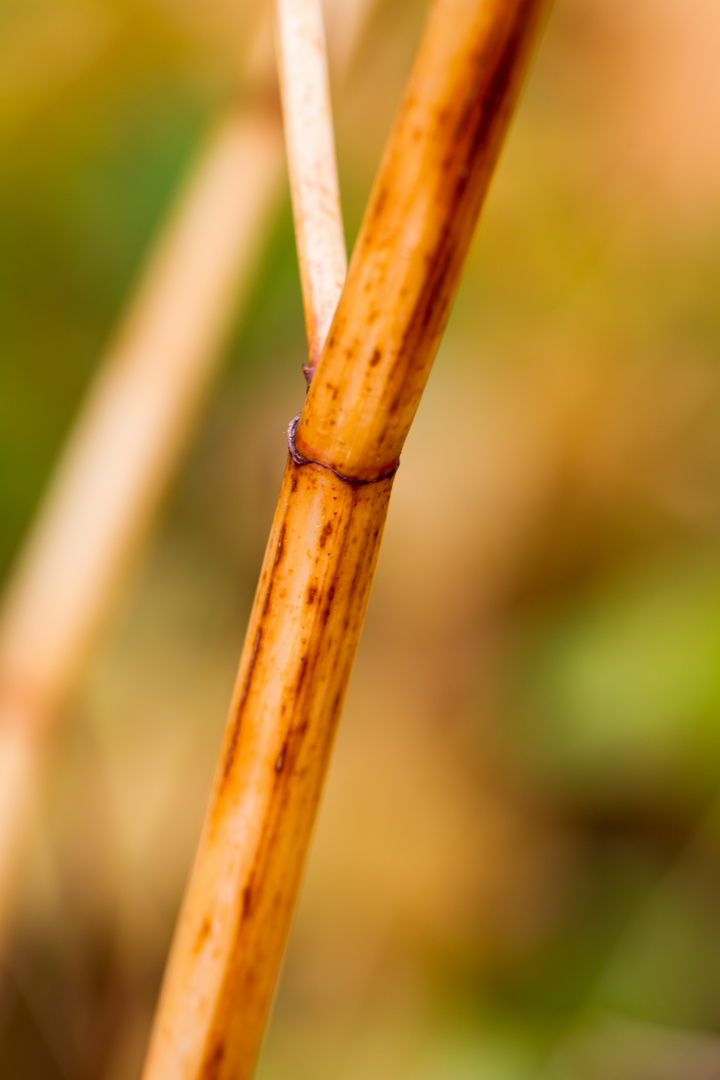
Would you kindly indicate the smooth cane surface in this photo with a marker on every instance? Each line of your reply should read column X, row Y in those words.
column 321, row 556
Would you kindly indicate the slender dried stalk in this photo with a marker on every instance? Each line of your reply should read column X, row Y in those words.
column 324, row 542
column 125, row 445
column 128, row 439
column 307, row 114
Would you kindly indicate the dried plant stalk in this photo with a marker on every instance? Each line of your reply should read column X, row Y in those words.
column 125, row 445
column 307, row 115
column 323, row 546
column 130, row 434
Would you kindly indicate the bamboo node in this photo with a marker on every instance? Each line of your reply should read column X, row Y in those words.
column 300, row 459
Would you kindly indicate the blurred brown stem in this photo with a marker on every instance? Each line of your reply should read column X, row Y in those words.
column 321, row 555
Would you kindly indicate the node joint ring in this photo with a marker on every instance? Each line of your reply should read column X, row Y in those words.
column 300, row 459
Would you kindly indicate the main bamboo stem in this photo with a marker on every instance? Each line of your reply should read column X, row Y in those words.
column 322, row 551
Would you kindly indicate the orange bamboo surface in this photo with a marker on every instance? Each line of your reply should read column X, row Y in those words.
column 323, row 547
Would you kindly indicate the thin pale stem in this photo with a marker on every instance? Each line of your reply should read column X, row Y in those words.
column 321, row 555
column 310, row 144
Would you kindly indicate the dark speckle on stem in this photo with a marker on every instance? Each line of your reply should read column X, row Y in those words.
column 246, row 901
column 211, row 1068
column 301, row 672
column 327, row 529
column 203, row 933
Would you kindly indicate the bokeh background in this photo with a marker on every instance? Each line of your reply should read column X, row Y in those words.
column 516, row 868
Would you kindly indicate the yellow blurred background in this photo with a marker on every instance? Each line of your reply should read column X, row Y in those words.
column 516, row 868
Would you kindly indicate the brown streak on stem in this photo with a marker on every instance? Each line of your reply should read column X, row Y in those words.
column 280, row 547
column 243, row 698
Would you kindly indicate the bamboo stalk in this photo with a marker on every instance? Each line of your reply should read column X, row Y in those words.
column 310, row 145
column 323, row 546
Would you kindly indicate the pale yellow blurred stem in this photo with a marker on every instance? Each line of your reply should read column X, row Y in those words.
column 125, row 444
column 322, row 551
column 310, row 144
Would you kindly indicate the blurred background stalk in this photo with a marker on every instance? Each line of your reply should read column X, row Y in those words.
column 125, row 446
column 128, row 439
